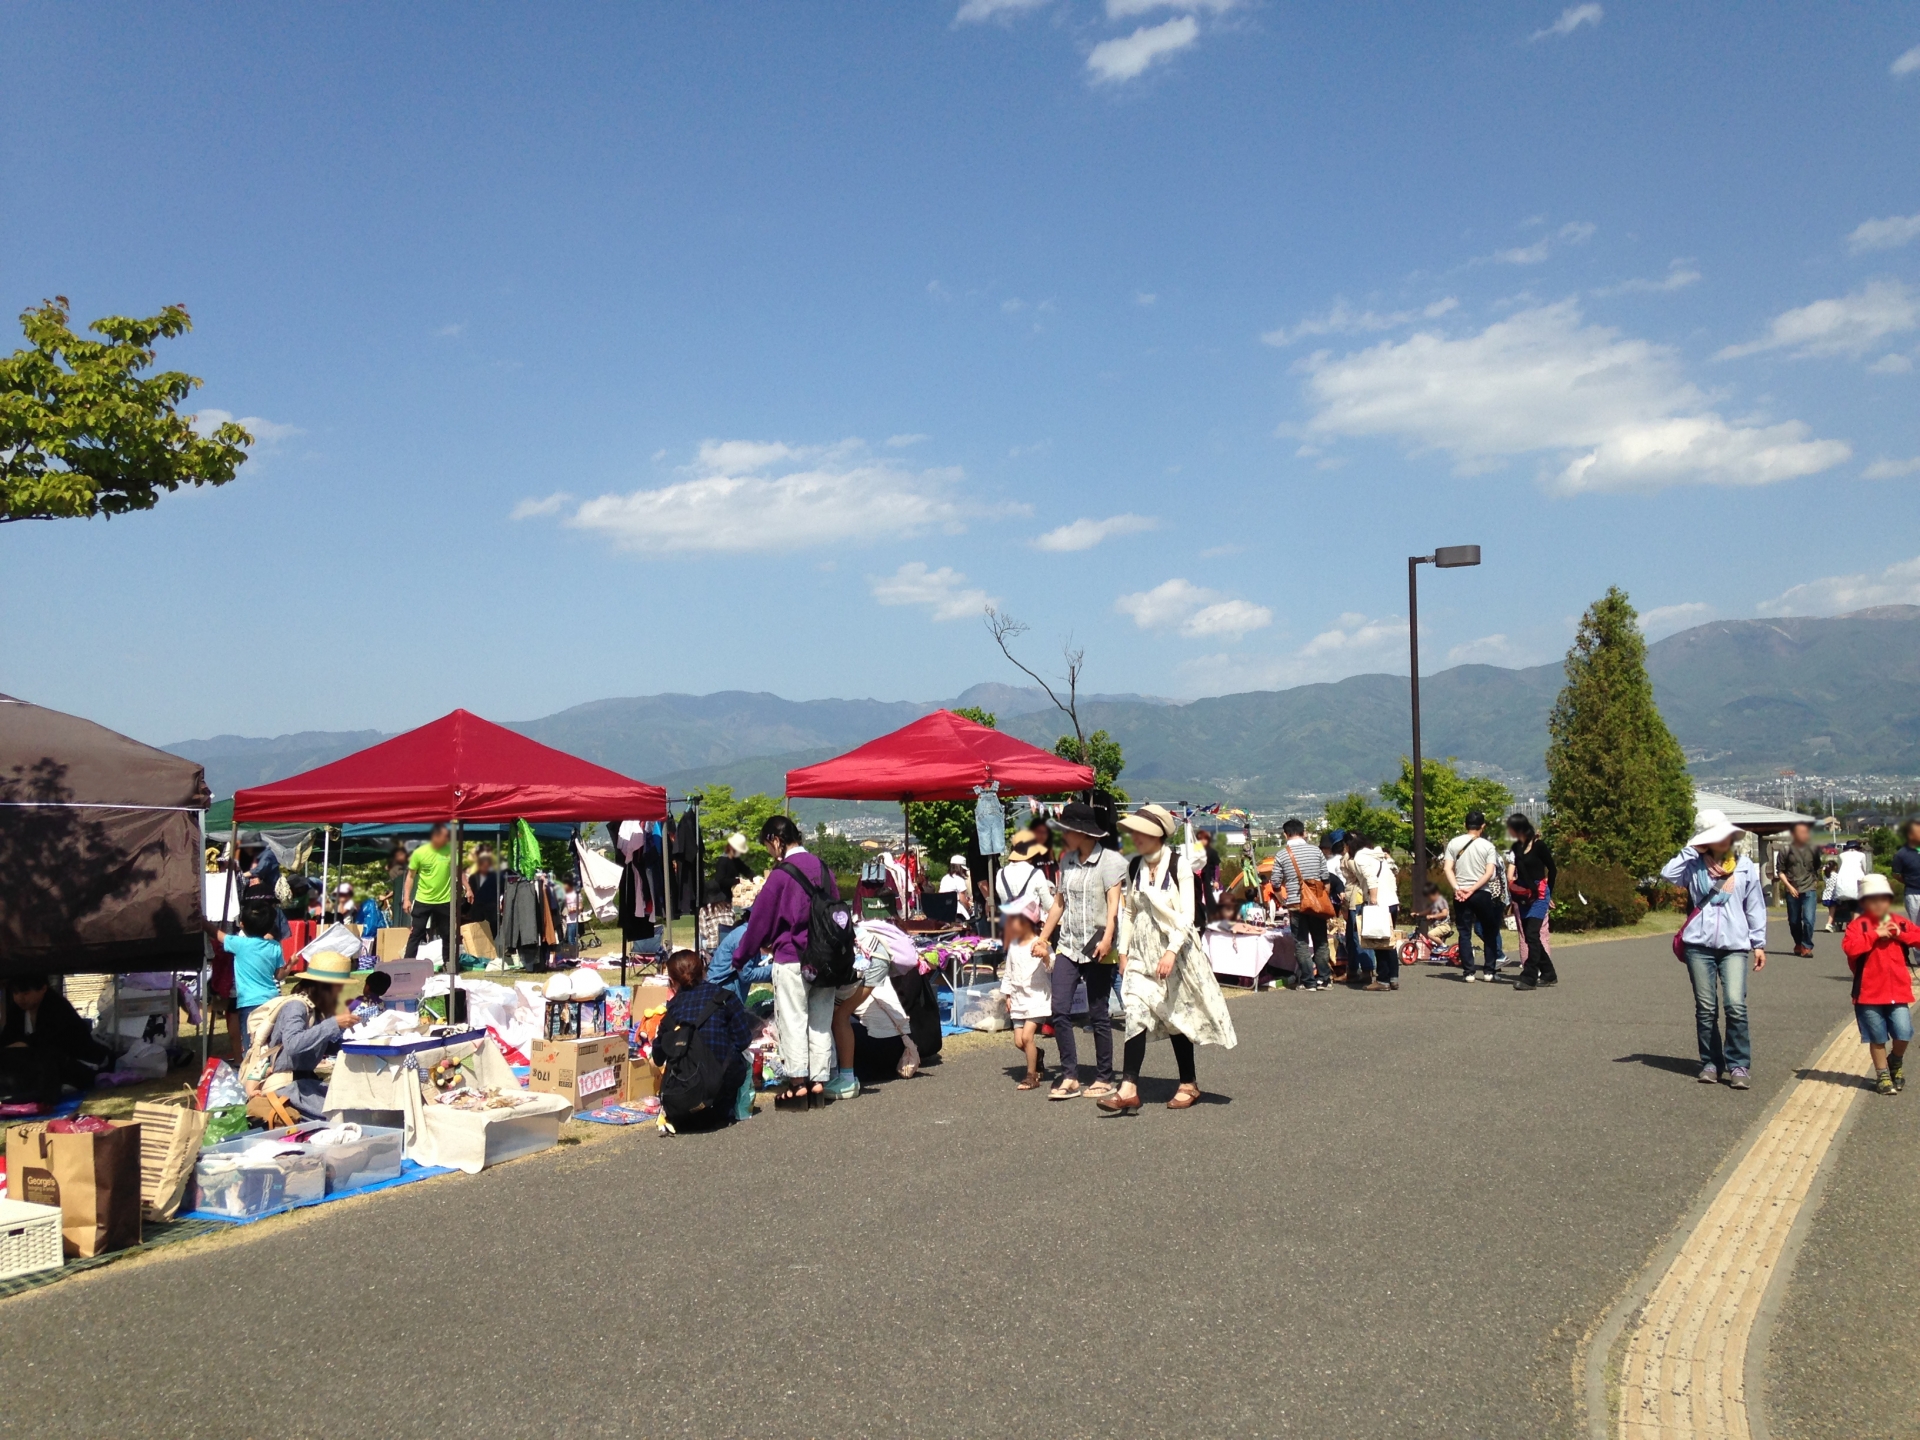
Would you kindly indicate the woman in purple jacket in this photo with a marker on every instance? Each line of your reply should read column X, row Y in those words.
column 777, row 929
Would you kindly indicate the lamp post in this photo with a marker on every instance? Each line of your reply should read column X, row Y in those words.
column 1446, row 557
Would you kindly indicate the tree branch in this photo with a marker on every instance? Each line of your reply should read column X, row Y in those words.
column 1003, row 628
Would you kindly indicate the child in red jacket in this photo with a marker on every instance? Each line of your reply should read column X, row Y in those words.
column 1875, row 945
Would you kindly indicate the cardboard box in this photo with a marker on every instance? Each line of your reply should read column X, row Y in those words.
column 586, row 1073
column 390, row 943
column 643, row 1079
column 476, row 939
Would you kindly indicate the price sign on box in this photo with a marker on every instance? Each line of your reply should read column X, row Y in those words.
column 594, row 1081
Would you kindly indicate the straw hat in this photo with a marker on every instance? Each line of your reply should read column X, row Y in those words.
column 1154, row 820
column 324, row 967
column 1025, row 845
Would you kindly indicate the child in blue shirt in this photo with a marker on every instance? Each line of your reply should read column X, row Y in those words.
column 257, row 963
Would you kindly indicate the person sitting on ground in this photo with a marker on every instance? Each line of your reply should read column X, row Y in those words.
column 46, row 1046
column 1875, row 945
column 714, row 1012
column 303, row 1035
column 1027, row 981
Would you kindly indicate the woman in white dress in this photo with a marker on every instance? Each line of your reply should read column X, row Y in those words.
column 1166, row 983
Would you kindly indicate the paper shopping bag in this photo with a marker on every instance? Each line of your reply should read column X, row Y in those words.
column 170, row 1139
column 476, row 939
column 99, row 1180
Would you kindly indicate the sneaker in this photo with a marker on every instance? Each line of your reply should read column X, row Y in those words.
column 1737, row 1077
column 1709, row 1075
column 842, row 1086
column 1549, row 980
column 1884, row 1084
column 1897, row 1068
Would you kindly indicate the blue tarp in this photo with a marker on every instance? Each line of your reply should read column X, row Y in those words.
column 409, row 1172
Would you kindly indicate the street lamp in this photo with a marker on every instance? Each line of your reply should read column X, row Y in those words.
column 1446, row 557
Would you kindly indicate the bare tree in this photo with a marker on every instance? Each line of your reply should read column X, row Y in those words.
column 1005, row 629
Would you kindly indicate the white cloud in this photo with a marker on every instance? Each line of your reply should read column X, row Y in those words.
column 1128, row 56
column 264, row 432
column 1907, row 63
column 1194, row 610
column 944, row 591
column 1890, row 365
column 1891, row 469
column 1355, row 632
column 1128, row 9
column 733, row 457
column 1888, row 234
column 1680, row 274
column 1341, row 320
column 1666, row 619
column 1615, row 413
column 1898, row 584
column 447, row 332
column 1354, row 644
column 1145, row 297
column 834, row 495
column 1084, row 534
column 1848, row 325
column 533, row 509
column 1571, row 19
column 1574, row 232
column 977, row 10
column 1487, row 650
column 900, row 442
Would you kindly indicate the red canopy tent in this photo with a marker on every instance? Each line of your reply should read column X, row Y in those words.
column 942, row 756
column 459, row 767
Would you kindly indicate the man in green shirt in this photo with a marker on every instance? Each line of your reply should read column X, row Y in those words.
column 430, row 888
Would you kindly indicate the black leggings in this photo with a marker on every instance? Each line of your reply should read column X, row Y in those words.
column 1136, row 1052
column 1539, row 964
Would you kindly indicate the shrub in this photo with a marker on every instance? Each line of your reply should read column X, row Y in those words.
column 1662, row 896
column 1596, row 896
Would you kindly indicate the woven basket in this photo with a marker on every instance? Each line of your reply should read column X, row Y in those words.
column 29, row 1238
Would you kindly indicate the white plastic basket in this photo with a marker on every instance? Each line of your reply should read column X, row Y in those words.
column 29, row 1238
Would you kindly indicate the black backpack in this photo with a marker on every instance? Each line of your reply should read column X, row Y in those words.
column 828, row 958
column 691, row 1089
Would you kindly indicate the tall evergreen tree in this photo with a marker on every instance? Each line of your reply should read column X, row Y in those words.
column 1616, row 777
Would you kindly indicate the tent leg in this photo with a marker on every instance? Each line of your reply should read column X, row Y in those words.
column 666, row 889
column 326, row 846
column 457, row 871
column 206, row 960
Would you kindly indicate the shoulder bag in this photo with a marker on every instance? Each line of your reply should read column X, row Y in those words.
column 1314, row 898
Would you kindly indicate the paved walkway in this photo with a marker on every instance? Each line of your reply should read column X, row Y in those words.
column 1398, row 1215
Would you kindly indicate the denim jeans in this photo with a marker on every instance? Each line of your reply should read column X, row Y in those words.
column 1310, row 947
column 1720, row 988
column 1067, row 974
column 1483, row 910
column 1801, row 909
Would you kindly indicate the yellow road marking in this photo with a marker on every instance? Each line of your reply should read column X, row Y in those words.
column 1684, row 1372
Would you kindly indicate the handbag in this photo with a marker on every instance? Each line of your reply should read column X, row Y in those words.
column 1376, row 923
column 1314, row 899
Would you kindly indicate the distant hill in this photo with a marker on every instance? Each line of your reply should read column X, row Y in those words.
column 1837, row 695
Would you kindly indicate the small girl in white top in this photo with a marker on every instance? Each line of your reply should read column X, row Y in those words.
column 1027, row 982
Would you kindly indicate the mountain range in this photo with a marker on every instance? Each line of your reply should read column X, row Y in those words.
column 1833, row 695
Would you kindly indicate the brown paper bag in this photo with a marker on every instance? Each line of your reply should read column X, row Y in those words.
column 390, row 942
column 170, row 1137
column 94, row 1179
column 476, row 939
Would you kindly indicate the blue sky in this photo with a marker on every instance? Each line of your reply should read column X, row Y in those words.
column 606, row 350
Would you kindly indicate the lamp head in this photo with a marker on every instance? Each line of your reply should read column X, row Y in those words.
column 1453, row 557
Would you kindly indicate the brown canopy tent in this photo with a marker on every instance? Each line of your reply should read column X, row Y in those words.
column 100, row 858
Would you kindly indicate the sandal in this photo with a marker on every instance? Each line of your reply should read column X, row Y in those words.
column 1118, row 1104
column 1033, row 1082
column 1101, row 1088
column 1185, row 1098
column 1066, row 1090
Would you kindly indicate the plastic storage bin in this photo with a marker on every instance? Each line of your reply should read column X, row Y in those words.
column 29, row 1239
column 976, row 1007
column 374, row 1156
column 245, row 1177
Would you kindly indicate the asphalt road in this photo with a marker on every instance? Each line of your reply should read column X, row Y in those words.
column 1397, row 1215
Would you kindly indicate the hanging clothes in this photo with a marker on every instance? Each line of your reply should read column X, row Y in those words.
column 687, row 863
column 519, row 915
column 599, row 882
column 522, row 849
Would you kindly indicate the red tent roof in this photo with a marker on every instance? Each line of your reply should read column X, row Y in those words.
column 458, row 767
column 941, row 756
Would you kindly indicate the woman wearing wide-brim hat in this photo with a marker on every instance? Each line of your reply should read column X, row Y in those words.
column 1726, row 924
column 306, row 1032
column 1166, row 983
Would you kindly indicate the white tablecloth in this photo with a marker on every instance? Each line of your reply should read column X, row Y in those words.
column 1243, row 957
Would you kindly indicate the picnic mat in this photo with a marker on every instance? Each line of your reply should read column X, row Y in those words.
column 409, row 1172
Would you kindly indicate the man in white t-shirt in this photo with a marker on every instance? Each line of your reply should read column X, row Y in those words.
column 1471, row 869
column 958, row 883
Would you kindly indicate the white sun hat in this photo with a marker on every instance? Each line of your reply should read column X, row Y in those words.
column 1714, row 827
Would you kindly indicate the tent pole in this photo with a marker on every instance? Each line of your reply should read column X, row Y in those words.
column 326, row 842
column 227, row 909
column 457, row 876
column 206, row 954
column 666, row 876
